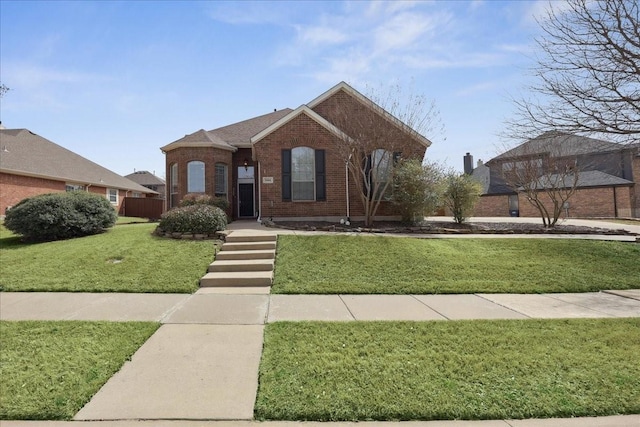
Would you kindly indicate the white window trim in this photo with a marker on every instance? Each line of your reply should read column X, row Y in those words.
column 109, row 195
column 226, row 180
column 313, row 176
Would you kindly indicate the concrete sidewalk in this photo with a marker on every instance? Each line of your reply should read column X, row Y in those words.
column 226, row 306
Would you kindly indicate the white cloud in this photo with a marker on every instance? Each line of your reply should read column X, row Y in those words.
column 403, row 30
column 320, row 35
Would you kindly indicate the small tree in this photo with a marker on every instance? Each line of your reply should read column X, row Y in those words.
column 546, row 170
column 460, row 195
column 416, row 189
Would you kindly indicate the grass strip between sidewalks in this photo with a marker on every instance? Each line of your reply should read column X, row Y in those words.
column 391, row 265
column 50, row 370
column 126, row 258
column 509, row 369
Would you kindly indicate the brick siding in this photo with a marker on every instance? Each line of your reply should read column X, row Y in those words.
column 14, row 188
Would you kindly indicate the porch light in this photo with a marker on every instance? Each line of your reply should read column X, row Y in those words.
column 246, row 165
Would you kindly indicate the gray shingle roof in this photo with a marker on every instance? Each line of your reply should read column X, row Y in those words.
column 585, row 179
column 560, row 145
column 22, row 152
column 145, row 178
column 239, row 134
column 200, row 138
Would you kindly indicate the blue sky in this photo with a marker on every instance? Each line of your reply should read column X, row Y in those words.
column 114, row 81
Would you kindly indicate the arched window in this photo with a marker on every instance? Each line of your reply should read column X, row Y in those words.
column 173, row 182
column 195, row 177
column 303, row 173
column 221, row 175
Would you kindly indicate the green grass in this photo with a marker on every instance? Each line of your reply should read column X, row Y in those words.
column 127, row 258
column 49, row 370
column 449, row 370
column 131, row 220
column 389, row 265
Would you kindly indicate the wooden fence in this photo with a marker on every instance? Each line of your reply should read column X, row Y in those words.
column 142, row 207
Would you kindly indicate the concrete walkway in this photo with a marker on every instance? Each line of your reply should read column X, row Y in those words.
column 202, row 364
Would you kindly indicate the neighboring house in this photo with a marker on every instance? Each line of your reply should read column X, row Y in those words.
column 32, row 165
column 608, row 177
column 282, row 165
column 150, row 181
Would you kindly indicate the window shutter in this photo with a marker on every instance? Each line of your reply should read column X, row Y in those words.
column 321, row 194
column 286, row 175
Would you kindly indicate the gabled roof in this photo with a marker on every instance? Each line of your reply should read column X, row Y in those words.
column 145, row 178
column 342, row 86
column 239, row 134
column 200, row 138
column 303, row 109
column 22, row 152
column 559, row 144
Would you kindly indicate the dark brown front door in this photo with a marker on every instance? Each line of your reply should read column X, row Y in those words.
column 245, row 199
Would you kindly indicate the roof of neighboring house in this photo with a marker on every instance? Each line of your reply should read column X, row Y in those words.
column 145, row 178
column 239, row 134
column 585, row 179
column 559, row 145
column 22, row 152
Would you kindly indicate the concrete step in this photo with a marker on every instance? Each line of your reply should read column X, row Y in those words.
column 237, row 255
column 241, row 265
column 248, row 246
column 237, row 278
column 239, row 237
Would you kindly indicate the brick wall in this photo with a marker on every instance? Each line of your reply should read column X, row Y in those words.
column 585, row 203
column 635, row 191
column 304, row 131
column 14, row 188
column 210, row 156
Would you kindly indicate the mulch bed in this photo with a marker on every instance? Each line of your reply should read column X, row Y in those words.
column 443, row 228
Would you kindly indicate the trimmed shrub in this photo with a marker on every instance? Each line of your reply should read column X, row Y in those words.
column 204, row 199
column 59, row 216
column 196, row 219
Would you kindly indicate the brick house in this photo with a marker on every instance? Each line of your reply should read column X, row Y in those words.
column 608, row 177
column 285, row 164
column 31, row 165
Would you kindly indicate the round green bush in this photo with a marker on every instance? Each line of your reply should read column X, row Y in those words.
column 195, row 219
column 58, row 216
column 204, row 199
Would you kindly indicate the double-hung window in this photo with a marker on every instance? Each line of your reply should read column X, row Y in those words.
column 112, row 195
column 221, row 174
column 303, row 174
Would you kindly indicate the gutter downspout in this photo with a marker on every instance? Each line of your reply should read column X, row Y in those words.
column 259, row 194
column 346, row 173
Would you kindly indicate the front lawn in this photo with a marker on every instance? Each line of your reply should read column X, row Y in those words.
column 127, row 258
column 389, row 265
column 449, row 370
column 50, row 370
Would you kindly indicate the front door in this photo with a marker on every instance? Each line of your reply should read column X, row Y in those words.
column 245, row 200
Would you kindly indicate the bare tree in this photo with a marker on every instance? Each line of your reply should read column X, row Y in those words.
column 546, row 171
column 377, row 132
column 3, row 89
column 587, row 72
